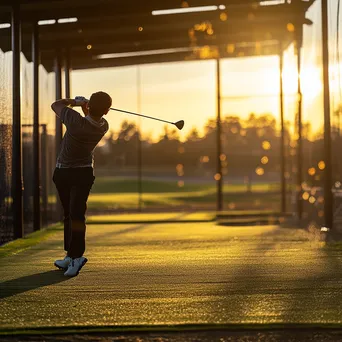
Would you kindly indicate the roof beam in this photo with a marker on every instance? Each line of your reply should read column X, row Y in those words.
column 183, row 56
column 112, row 27
column 41, row 10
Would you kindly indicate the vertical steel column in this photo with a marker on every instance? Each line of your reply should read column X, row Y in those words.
column 44, row 180
column 282, row 138
column 299, row 123
column 139, row 141
column 328, row 196
column 17, row 181
column 59, row 126
column 218, row 177
column 67, row 73
column 339, row 122
column 58, row 74
column 36, row 151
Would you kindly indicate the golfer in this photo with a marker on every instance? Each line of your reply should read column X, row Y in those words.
column 74, row 175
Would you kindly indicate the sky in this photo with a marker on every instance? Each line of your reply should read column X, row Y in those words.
column 187, row 90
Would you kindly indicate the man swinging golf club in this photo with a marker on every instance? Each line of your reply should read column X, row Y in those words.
column 73, row 175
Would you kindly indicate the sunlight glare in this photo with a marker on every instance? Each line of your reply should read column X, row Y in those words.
column 311, row 83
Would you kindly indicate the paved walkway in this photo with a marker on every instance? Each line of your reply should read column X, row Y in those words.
column 170, row 274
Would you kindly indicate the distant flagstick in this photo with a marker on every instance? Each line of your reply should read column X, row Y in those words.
column 178, row 124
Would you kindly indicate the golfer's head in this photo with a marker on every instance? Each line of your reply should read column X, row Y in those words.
column 99, row 104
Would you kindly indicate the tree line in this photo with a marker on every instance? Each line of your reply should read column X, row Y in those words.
column 248, row 146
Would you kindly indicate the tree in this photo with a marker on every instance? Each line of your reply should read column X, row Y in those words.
column 127, row 130
column 169, row 134
column 193, row 135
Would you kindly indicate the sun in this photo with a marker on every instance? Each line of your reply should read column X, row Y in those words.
column 311, row 82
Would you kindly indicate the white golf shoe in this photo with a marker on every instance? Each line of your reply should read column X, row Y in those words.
column 63, row 264
column 75, row 266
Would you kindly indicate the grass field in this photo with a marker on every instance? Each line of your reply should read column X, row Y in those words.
column 115, row 193
column 124, row 185
column 118, row 193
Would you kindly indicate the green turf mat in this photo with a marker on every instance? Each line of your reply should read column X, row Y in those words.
column 153, row 217
column 19, row 245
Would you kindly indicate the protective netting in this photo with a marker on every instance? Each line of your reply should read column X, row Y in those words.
column 313, row 115
column 6, row 217
column 47, row 145
column 47, row 133
column 27, row 142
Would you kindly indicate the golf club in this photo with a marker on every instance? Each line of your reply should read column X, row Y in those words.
column 178, row 124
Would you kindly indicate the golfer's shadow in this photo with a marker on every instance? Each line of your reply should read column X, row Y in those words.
column 34, row 281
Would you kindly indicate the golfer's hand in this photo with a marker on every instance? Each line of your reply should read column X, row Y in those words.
column 85, row 109
column 81, row 101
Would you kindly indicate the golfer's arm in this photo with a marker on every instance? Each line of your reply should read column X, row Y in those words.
column 59, row 105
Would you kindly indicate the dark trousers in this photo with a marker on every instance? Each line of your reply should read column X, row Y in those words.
column 73, row 186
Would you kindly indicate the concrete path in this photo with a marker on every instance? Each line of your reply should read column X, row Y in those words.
column 170, row 274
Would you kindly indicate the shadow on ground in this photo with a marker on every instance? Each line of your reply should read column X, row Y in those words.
column 34, row 281
column 303, row 287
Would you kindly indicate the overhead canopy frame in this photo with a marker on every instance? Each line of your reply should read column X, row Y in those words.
column 237, row 28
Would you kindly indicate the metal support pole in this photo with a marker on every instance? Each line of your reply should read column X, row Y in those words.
column 299, row 143
column 58, row 74
column 218, row 175
column 67, row 73
column 282, row 138
column 328, row 196
column 338, row 124
column 59, row 126
column 44, row 148
column 17, row 182
column 36, row 151
column 139, row 141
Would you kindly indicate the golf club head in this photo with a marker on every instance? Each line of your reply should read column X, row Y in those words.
column 179, row 124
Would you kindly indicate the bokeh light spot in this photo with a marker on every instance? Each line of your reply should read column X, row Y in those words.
column 217, row 177
column 231, row 206
column 266, row 145
column 321, row 165
column 305, row 196
column 290, row 27
column 223, row 157
column 264, row 160
column 230, row 48
column 223, row 16
column 312, row 199
column 179, row 167
column 181, row 149
column 259, row 171
column 320, row 199
column 204, row 159
column 312, row 171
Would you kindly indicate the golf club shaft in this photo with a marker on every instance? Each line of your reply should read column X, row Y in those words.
column 144, row 116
